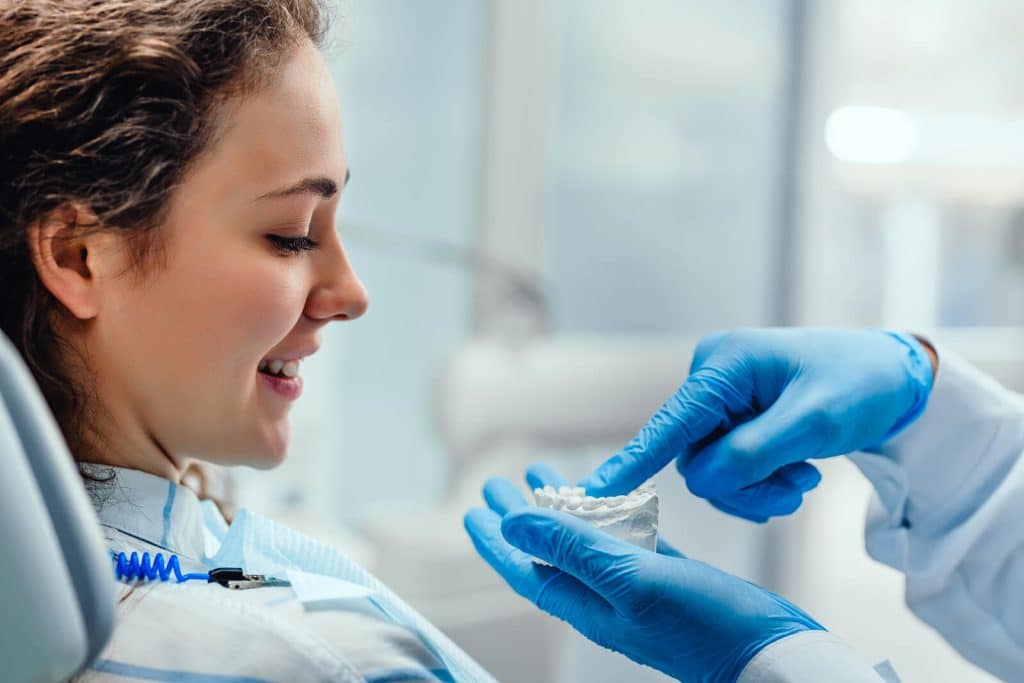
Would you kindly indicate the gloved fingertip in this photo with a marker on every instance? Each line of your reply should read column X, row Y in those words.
column 801, row 475
column 541, row 474
column 487, row 490
column 618, row 475
column 811, row 484
column 789, row 504
column 744, row 514
column 474, row 517
column 599, row 484
column 753, row 517
column 594, row 486
column 811, row 479
column 483, row 528
column 532, row 480
column 492, row 482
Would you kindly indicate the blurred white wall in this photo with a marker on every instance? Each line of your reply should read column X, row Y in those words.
column 663, row 160
column 410, row 76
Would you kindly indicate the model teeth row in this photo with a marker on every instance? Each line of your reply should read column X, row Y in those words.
column 632, row 518
column 280, row 367
column 575, row 498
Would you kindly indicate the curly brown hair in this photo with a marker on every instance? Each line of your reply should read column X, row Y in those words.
column 108, row 103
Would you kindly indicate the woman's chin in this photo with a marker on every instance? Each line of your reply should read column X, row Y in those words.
column 265, row 464
column 265, row 448
column 273, row 448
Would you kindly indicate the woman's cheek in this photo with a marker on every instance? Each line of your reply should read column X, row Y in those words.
column 271, row 302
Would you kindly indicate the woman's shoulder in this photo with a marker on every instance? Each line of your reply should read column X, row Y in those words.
column 265, row 633
column 200, row 628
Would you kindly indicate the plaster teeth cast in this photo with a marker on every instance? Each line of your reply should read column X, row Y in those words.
column 632, row 518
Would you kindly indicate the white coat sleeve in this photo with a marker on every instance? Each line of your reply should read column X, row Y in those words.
column 811, row 657
column 949, row 513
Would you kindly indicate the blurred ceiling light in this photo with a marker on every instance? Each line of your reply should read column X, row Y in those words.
column 871, row 135
column 974, row 157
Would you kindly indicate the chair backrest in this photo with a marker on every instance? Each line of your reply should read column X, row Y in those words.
column 56, row 582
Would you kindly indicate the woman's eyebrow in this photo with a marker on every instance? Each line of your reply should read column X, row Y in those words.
column 321, row 185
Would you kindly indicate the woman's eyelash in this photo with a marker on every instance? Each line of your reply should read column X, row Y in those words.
column 293, row 245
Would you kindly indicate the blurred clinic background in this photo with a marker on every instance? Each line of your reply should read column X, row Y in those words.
column 552, row 200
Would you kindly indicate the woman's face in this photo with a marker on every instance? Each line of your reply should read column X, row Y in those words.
column 178, row 355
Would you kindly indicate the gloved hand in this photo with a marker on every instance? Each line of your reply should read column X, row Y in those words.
column 759, row 403
column 683, row 617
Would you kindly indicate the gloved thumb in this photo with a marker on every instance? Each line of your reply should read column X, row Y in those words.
column 575, row 547
column 799, row 426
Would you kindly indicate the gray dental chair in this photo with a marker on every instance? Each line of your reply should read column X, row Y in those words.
column 57, row 592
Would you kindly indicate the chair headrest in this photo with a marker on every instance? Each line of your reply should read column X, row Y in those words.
column 55, row 572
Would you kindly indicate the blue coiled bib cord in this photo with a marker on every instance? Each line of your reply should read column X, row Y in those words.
column 129, row 568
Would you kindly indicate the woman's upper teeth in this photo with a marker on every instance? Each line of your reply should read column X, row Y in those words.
column 279, row 367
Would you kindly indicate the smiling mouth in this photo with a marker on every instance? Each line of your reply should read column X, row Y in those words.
column 289, row 387
column 278, row 368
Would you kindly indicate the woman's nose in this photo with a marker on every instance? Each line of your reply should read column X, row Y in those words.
column 340, row 295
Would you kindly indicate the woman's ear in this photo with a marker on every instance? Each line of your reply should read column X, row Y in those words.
column 68, row 252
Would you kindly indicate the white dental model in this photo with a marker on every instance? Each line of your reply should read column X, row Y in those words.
column 632, row 518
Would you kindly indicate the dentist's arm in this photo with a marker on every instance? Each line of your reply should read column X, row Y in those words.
column 950, row 488
column 949, row 513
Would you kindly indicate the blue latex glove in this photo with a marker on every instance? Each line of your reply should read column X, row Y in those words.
column 759, row 403
column 678, row 615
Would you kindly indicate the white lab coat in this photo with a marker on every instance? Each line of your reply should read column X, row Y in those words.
column 948, row 513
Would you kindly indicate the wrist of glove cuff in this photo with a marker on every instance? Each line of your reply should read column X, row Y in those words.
column 919, row 375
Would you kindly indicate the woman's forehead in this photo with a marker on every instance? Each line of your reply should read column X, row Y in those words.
column 288, row 130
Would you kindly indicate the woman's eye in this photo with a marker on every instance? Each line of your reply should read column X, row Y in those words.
column 293, row 245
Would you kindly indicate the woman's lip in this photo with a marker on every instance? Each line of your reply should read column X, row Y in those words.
column 294, row 355
column 288, row 387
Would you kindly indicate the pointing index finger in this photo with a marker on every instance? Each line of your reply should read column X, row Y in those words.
column 623, row 472
column 699, row 407
column 660, row 441
column 541, row 474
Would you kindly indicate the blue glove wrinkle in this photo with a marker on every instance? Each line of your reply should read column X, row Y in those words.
column 568, row 543
column 564, row 597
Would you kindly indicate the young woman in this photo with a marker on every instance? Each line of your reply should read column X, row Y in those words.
column 170, row 172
